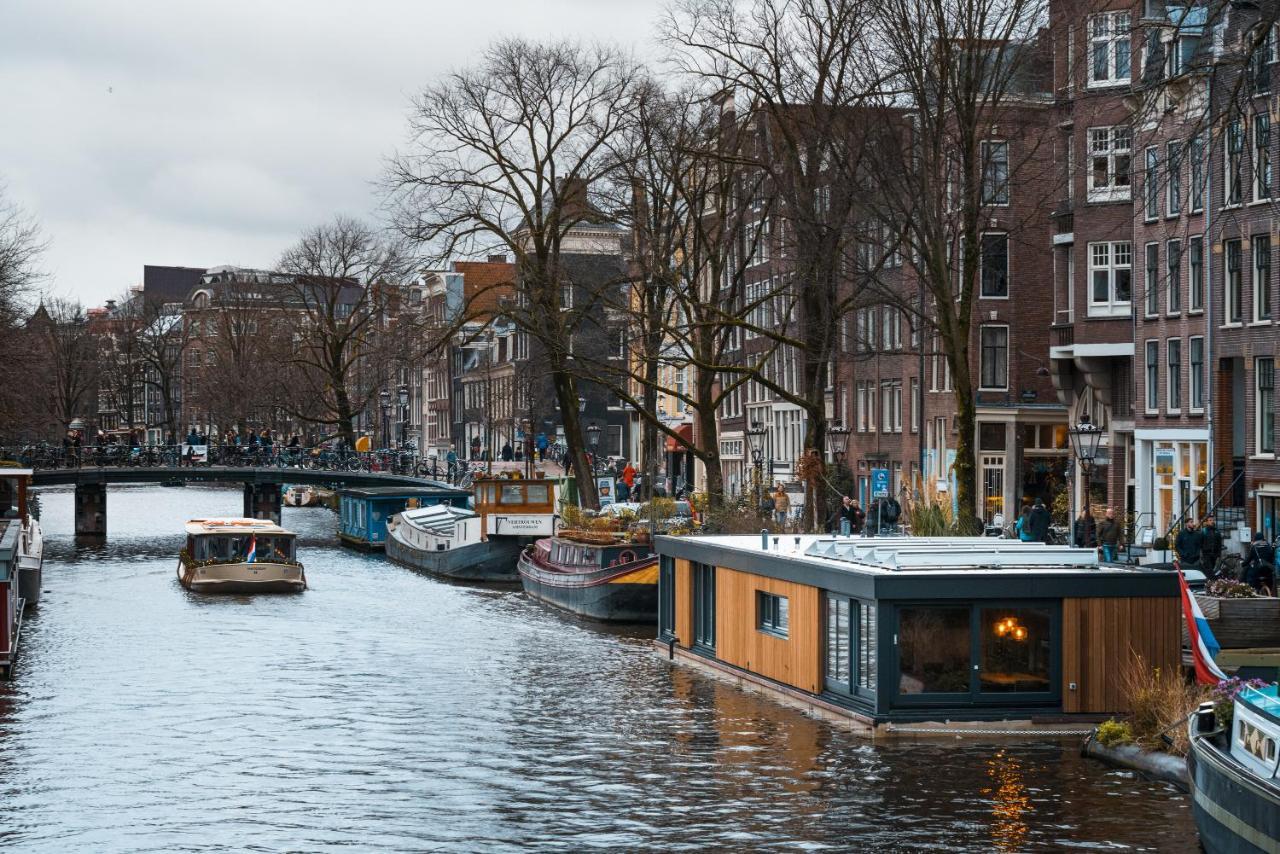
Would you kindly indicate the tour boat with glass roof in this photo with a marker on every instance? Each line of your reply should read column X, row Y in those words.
column 240, row 556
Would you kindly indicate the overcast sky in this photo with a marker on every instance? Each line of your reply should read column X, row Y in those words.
column 198, row 134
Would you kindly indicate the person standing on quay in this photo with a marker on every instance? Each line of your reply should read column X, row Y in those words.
column 781, row 505
column 1188, row 545
column 1039, row 522
column 1210, row 545
column 1086, row 530
column 1109, row 533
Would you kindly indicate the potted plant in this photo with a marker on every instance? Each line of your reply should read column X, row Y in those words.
column 1238, row 616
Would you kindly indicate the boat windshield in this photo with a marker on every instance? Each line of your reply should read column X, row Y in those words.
column 236, row 547
column 1264, row 698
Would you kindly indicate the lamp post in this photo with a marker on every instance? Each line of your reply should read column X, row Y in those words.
column 384, row 398
column 837, row 442
column 402, row 392
column 755, row 440
column 1085, row 438
column 593, row 440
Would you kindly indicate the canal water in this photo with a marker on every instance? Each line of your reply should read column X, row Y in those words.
column 384, row 710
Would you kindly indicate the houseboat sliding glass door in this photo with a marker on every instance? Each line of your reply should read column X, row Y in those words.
column 850, row 668
column 994, row 653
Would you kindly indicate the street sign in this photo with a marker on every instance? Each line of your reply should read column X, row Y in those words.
column 879, row 483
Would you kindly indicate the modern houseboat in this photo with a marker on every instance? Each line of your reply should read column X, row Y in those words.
column 475, row 545
column 599, row 575
column 301, row 496
column 1235, row 788
column 364, row 512
column 240, row 556
column 887, row 632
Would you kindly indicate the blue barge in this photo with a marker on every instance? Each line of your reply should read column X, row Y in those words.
column 364, row 512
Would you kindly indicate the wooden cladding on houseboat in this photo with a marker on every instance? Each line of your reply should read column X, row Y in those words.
column 794, row 660
column 1098, row 637
column 684, row 603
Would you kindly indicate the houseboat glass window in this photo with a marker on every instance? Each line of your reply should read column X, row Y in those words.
column 772, row 613
column 704, row 606
column 667, row 598
column 867, row 647
column 537, row 493
column 512, row 493
column 1016, row 650
column 933, row 650
column 839, row 664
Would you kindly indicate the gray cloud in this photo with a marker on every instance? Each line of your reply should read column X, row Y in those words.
column 148, row 132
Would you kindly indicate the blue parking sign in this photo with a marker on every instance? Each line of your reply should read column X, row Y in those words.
column 879, row 483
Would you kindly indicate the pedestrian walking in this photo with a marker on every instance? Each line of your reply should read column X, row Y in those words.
column 1023, row 525
column 1188, row 545
column 1039, row 522
column 781, row 505
column 1210, row 545
column 1109, row 536
column 1085, row 531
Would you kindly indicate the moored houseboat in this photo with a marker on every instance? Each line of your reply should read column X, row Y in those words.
column 479, row 545
column 1233, row 771
column 364, row 511
column 21, row 562
column 240, row 556
column 301, row 496
column 889, row 633
column 598, row 575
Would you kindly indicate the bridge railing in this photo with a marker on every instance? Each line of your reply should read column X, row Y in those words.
column 46, row 457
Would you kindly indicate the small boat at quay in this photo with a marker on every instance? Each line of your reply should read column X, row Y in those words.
column 475, row 545
column 21, row 562
column 598, row 575
column 237, row 555
column 1235, row 790
column 301, row 496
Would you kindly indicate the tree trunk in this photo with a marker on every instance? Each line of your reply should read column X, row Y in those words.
column 965, row 464
column 566, row 393
column 709, row 441
column 342, row 410
column 649, row 431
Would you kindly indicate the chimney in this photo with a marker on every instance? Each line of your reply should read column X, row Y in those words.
column 497, row 259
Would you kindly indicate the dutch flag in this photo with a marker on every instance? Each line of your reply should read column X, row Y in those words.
column 253, row 549
column 1204, row 646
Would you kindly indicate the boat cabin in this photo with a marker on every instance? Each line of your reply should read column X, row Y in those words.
column 515, row 507
column 13, row 492
column 893, row 630
column 364, row 511
column 229, row 541
column 10, row 604
column 440, row 527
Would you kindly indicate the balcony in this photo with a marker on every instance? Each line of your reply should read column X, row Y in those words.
column 1064, row 334
column 1064, row 217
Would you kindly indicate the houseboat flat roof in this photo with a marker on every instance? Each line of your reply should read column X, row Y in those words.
column 926, row 567
column 231, row 525
column 6, row 471
column 437, row 489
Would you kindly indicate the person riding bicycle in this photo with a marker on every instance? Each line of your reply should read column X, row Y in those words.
column 1260, row 565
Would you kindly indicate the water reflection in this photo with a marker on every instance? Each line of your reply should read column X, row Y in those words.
column 382, row 710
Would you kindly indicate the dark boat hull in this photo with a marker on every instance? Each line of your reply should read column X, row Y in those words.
column 598, row 595
column 1234, row 811
column 30, row 579
column 492, row 560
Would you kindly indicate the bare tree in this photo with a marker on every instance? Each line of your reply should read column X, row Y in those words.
column 504, row 156
column 344, row 279
column 70, row 355
column 966, row 72
column 803, row 70
column 162, row 343
column 21, row 246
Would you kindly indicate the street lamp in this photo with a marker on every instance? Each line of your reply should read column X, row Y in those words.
column 755, row 441
column 1085, row 438
column 593, row 440
column 837, row 442
column 384, row 397
column 402, row 392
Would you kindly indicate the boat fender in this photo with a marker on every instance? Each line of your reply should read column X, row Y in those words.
column 671, row 648
column 626, row 557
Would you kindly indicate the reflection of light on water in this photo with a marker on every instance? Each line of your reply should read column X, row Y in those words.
column 1010, row 804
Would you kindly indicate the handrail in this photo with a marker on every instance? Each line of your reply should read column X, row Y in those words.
column 1213, row 507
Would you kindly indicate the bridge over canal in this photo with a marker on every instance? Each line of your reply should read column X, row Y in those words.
column 262, row 485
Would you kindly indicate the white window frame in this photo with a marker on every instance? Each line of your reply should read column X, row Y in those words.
column 1173, row 276
column 1195, row 378
column 1151, row 183
column 1173, row 185
column 1260, row 409
column 1262, row 307
column 1114, row 251
column 1173, row 385
column 1261, row 157
column 982, row 357
column 1151, row 377
column 1107, row 31
column 995, row 186
column 1111, row 143
column 982, row 291
column 1150, row 270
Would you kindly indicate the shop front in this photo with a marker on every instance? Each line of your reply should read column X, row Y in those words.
column 1171, row 470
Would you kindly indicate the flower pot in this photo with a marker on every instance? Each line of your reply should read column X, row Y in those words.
column 1242, row 623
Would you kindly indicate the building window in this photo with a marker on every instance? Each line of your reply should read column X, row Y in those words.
column 1173, row 194
column 772, row 615
column 995, row 173
column 1261, row 156
column 1261, row 277
column 1153, row 376
column 1196, row 377
column 566, row 296
column 1153, row 182
column 1174, row 346
column 1231, row 249
column 1153, row 279
column 1195, row 272
column 915, row 404
column 851, row 646
column 1265, row 413
column 1109, row 48
column 1173, row 260
column 1197, row 174
column 995, row 265
column 1110, row 274
column 704, row 606
column 1110, row 152
column 995, row 357
column 1234, row 143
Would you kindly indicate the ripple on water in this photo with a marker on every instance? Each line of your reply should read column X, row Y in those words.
column 385, row 710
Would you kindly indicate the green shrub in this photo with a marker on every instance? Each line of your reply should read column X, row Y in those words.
column 930, row 519
column 1114, row 733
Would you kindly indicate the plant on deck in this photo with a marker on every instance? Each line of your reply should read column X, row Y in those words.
column 1159, row 703
column 1114, row 733
column 1224, row 695
column 1225, row 588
